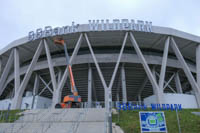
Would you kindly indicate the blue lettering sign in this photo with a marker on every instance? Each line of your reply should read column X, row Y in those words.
column 130, row 106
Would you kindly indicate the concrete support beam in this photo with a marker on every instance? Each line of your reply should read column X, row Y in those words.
column 56, row 97
column 198, row 63
column 107, row 89
column 154, row 75
column 117, row 96
column 164, row 64
column 51, row 68
column 141, row 88
column 46, row 85
column 94, row 89
column 59, row 75
column 114, row 75
column 118, row 87
column 123, row 77
column 16, row 69
column 178, row 83
column 159, row 93
column 16, row 101
column 0, row 66
column 35, row 89
column 97, row 66
column 6, row 71
column 187, row 71
column 109, row 103
column 105, row 58
column 167, row 83
column 99, row 70
column 57, row 93
column 139, row 99
column 36, row 84
column 89, row 86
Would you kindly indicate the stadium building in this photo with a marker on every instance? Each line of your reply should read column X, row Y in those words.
column 120, row 60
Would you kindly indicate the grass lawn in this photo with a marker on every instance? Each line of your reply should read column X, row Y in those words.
column 12, row 116
column 190, row 123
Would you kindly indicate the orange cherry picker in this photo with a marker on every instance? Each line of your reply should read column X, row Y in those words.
column 74, row 100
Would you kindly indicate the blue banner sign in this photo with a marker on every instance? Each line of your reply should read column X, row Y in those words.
column 131, row 106
column 152, row 122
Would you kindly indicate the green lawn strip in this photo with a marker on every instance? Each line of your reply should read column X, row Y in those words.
column 12, row 116
column 190, row 123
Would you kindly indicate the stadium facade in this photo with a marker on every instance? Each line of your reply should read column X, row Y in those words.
column 121, row 60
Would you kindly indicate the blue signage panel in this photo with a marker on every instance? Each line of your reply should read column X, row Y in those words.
column 152, row 122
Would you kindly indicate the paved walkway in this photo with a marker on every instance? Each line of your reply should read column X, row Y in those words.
column 196, row 113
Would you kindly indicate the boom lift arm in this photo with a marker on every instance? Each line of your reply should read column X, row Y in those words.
column 69, row 100
column 73, row 86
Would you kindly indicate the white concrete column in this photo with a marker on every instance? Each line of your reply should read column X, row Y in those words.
column 6, row 71
column 164, row 64
column 178, row 83
column 118, row 88
column 198, row 63
column 141, row 88
column 94, row 89
column 16, row 69
column 187, row 71
column 117, row 96
column 123, row 77
column 89, row 86
column 36, row 85
column 107, row 89
column 35, row 89
column 59, row 75
column 154, row 75
column 159, row 93
column 98, row 69
column 56, row 97
column 139, row 99
column 51, row 67
column 17, row 100
column 0, row 66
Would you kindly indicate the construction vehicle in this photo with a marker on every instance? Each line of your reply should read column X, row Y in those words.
column 74, row 100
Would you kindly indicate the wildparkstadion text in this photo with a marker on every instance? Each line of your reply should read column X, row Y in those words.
column 130, row 106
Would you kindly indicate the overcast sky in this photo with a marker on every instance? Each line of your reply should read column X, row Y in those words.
column 18, row 17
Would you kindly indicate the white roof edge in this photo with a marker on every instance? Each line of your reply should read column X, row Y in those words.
column 175, row 32
column 13, row 44
column 84, row 28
